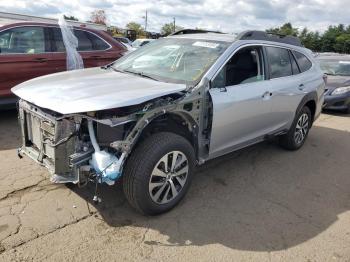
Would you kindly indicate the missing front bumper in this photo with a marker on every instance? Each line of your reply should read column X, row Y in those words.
column 52, row 142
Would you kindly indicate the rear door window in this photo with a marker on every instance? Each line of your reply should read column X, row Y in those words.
column 22, row 40
column 84, row 43
column 97, row 42
column 279, row 62
column 89, row 42
column 303, row 62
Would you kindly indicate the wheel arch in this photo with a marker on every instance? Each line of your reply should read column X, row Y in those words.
column 309, row 100
column 177, row 122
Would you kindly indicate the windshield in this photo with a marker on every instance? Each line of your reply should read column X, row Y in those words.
column 173, row 60
column 335, row 67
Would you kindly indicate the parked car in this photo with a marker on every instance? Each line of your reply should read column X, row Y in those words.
column 150, row 126
column 337, row 69
column 123, row 40
column 29, row 50
column 141, row 42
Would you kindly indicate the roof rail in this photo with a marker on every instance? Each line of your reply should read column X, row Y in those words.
column 266, row 36
column 193, row 31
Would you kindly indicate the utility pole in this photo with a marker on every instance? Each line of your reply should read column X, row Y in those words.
column 174, row 25
column 146, row 21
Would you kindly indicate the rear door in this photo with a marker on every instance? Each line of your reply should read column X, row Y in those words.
column 24, row 55
column 94, row 50
column 241, row 100
column 286, row 85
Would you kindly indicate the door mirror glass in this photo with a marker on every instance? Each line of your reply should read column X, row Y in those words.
column 23, row 40
column 246, row 66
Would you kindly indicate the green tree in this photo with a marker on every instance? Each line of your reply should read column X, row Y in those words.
column 335, row 39
column 70, row 18
column 342, row 43
column 136, row 27
column 310, row 39
column 329, row 37
column 286, row 29
column 168, row 29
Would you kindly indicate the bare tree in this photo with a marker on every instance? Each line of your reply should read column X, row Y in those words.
column 99, row 17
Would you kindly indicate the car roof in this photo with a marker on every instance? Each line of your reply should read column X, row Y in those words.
column 207, row 36
column 232, row 38
column 28, row 23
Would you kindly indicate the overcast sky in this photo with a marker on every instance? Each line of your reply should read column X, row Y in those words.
column 226, row 15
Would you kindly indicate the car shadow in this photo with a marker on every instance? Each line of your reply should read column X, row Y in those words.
column 10, row 137
column 335, row 113
column 262, row 198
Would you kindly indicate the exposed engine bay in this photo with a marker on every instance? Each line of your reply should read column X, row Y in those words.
column 76, row 148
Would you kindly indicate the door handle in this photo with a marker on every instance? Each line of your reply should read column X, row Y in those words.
column 95, row 56
column 41, row 60
column 266, row 94
column 301, row 87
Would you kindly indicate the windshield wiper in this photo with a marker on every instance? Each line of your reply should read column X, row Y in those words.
column 117, row 70
column 140, row 74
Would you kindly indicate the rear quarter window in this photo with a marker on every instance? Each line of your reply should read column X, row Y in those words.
column 303, row 62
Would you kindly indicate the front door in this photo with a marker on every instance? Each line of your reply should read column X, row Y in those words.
column 241, row 100
column 23, row 56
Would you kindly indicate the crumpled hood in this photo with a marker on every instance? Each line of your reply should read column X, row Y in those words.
column 91, row 90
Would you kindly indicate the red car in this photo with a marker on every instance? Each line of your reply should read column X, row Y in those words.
column 29, row 50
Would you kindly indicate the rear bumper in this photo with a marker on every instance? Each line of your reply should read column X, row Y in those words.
column 8, row 102
column 337, row 102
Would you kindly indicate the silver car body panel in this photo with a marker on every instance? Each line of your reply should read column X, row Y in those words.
column 91, row 89
column 242, row 115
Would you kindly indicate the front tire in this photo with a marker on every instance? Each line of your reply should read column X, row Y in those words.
column 298, row 132
column 158, row 173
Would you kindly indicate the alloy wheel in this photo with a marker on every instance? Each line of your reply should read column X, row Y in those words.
column 301, row 129
column 168, row 177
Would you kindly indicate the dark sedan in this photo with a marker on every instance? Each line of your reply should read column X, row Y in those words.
column 337, row 68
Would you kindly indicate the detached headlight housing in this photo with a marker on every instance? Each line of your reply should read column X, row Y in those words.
column 341, row 90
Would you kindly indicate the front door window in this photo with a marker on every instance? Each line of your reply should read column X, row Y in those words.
column 22, row 40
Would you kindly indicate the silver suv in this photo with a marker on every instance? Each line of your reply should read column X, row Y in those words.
column 154, row 114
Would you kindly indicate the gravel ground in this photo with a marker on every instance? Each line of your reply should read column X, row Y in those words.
column 261, row 203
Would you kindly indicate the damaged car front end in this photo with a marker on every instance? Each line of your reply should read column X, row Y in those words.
column 79, row 147
column 85, row 125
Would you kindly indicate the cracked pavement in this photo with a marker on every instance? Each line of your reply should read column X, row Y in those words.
column 262, row 203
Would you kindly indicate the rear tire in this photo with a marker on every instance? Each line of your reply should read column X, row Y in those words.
column 153, row 183
column 298, row 132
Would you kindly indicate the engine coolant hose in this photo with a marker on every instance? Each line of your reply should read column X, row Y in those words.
column 92, row 136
